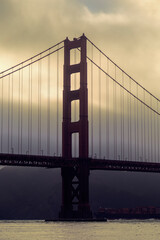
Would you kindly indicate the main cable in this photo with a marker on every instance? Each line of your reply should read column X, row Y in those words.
column 40, row 58
column 123, row 70
column 31, row 59
column 124, row 87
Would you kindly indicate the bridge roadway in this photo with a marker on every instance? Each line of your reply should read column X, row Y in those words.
column 59, row 162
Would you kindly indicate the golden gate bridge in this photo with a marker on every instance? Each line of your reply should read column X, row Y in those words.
column 72, row 107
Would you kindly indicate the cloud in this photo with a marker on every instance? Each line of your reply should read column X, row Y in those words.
column 103, row 18
column 127, row 30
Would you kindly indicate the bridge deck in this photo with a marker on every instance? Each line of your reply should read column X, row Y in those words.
column 94, row 164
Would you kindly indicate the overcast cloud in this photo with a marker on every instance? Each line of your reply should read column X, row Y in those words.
column 127, row 30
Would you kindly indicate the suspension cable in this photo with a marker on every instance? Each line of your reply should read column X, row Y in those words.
column 24, row 66
column 123, row 70
column 37, row 55
column 123, row 87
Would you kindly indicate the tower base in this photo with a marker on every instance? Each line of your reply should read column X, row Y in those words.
column 75, row 192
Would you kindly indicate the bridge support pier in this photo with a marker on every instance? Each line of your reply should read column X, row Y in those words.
column 75, row 192
column 75, row 180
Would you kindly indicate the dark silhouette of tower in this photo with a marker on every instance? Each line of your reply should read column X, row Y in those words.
column 75, row 180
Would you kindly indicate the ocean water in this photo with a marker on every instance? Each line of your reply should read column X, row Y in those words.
column 111, row 230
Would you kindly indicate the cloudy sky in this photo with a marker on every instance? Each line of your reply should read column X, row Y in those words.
column 126, row 30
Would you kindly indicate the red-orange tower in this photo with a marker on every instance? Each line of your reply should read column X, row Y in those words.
column 75, row 180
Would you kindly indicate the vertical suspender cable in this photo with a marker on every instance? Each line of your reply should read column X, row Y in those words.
column 155, row 138
column 113, row 120
column 137, row 126
column 99, row 106
column 19, row 88
column 92, row 102
column 142, row 140
column 122, row 120
column 2, row 115
column 151, row 131
column 48, row 110
column 130, row 122
column 148, row 132
column 115, row 117
column 40, row 110
column 9, row 80
column 39, row 106
column 57, row 102
column 12, row 115
column 116, row 113
column 21, row 110
column 158, row 132
column 128, row 125
column 121, row 101
column 29, row 92
column 31, row 107
column 107, row 111
column 144, row 116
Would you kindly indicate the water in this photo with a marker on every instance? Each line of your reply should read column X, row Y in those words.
column 111, row 230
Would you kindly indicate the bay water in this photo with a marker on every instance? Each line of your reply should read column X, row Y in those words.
column 110, row 230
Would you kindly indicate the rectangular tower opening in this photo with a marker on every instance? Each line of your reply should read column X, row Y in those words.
column 75, row 81
column 75, row 145
column 75, row 56
column 75, row 111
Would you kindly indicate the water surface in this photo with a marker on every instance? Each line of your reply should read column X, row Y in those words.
column 111, row 230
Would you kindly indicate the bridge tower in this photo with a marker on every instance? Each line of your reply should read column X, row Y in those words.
column 75, row 180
